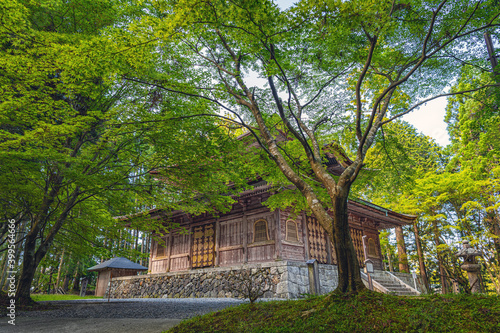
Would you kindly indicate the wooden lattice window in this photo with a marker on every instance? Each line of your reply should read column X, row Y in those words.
column 372, row 248
column 292, row 234
column 357, row 240
column 160, row 248
column 260, row 231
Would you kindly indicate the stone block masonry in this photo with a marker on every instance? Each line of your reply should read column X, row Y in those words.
column 284, row 279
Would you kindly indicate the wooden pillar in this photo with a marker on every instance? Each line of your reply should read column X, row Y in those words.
column 403, row 258
column 190, row 242
column 277, row 237
column 305, row 236
column 142, row 247
column 245, row 235
column 150, row 262
column 329, row 259
column 169, row 249
column 217, row 242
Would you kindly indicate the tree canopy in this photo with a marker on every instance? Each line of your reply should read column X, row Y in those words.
column 140, row 105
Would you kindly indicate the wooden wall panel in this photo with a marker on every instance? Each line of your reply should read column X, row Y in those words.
column 179, row 264
column 102, row 283
column 231, row 233
column 231, row 257
column 180, row 244
column 271, row 225
column 160, row 247
column 261, row 253
column 159, row 266
column 293, row 252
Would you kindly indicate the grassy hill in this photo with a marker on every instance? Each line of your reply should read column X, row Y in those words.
column 368, row 312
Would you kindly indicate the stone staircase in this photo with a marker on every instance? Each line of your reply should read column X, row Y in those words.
column 388, row 283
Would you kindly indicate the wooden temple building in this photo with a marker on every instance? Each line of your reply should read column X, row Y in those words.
column 251, row 233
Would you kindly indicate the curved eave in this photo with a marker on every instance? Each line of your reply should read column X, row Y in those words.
column 384, row 218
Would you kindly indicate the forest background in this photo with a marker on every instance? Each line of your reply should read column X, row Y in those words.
column 85, row 119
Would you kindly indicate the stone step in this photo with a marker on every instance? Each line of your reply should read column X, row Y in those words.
column 383, row 278
column 393, row 285
column 389, row 284
column 399, row 289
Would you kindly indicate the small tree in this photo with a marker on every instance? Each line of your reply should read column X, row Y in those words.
column 250, row 283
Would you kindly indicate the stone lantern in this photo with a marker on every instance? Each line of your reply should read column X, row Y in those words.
column 470, row 265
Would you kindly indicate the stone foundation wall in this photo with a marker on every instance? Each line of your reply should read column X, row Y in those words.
column 284, row 279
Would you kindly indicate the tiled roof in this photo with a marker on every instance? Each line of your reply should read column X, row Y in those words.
column 118, row 262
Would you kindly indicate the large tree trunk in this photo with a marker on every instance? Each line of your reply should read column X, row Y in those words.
column 420, row 253
column 29, row 267
column 442, row 270
column 32, row 255
column 59, row 270
column 402, row 256
column 66, row 283
column 76, row 279
column 4, row 270
column 493, row 223
column 348, row 267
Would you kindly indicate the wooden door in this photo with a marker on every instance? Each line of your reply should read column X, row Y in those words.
column 203, row 251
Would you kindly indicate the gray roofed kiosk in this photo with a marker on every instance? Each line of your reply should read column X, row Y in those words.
column 111, row 268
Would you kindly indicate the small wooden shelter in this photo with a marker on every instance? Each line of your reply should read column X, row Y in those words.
column 111, row 268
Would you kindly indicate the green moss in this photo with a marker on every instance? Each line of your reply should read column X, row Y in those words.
column 368, row 312
column 57, row 297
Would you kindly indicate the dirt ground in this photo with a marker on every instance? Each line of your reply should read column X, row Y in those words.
column 116, row 316
column 89, row 325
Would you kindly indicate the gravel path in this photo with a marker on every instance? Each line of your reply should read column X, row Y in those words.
column 118, row 315
column 173, row 308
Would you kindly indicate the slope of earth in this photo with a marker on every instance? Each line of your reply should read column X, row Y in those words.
column 367, row 312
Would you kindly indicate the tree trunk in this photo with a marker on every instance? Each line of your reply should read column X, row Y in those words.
column 59, row 270
column 105, row 243
column 50, row 280
column 420, row 253
column 76, row 280
column 136, row 234
column 442, row 270
column 66, row 283
column 19, row 244
column 494, row 225
column 389, row 256
column 4, row 271
column 402, row 256
column 30, row 264
column 142, row 248
column 17, row 253
column 349, row 275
